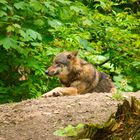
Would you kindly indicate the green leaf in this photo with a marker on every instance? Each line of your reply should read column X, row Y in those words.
column 10, row 28
column 68, row 131
column 30, row 35
column 39, row 22
column 138, row 85
column 33, row 63
column 3, row 90
column 2, row 13
column 76, row 9
column 136, row 64
column 3, row 68
column 129, row 88
column 54, row 23
column 64, row 1
column 25, row 36
column 8, row 43
column 17, row 26
column 36, row 44
column 85, row 44
column 20, row 5
column 36, row 5
column 118, row 78
column 3, row 1
column 33, row 34
column 79, row 127
column 103, row 4
column 50, row 6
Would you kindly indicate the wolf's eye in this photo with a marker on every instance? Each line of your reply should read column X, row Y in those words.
column 59, row 64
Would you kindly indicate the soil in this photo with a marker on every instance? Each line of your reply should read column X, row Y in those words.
column 37, row 119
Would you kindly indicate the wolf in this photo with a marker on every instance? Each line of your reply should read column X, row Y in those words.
column 77, row 76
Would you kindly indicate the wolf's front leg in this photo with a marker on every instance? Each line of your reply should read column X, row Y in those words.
column 61, row 91
column 53, row 93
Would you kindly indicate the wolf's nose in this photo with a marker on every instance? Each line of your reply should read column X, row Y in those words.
column 47, row 72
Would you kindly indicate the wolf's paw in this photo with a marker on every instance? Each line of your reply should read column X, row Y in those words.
column 47, row 95
column 56, row 94
column 52, row 94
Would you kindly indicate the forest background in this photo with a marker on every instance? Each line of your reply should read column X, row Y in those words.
column 106, row 33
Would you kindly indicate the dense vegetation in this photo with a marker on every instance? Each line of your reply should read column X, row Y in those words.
column 105, row 32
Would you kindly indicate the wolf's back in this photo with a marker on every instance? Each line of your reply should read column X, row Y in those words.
column 105, row 84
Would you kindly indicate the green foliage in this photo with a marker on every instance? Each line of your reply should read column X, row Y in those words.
column 117, row 96
column 33, row 32
column 69, row 131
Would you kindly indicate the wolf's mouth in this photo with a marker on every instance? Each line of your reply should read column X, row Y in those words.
column 52, row 73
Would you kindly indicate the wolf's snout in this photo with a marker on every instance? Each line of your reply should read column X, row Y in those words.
column 50, row 72
column 47, row 72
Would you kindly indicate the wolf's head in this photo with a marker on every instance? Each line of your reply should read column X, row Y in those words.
column 62, row 63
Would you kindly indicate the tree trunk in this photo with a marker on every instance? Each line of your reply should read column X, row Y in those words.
column 123, row 125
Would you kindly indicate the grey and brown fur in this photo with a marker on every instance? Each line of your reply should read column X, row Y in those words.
column 77, row 76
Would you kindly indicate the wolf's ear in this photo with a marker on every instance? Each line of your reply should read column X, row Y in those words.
column 75, row 53
column 72, row 54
